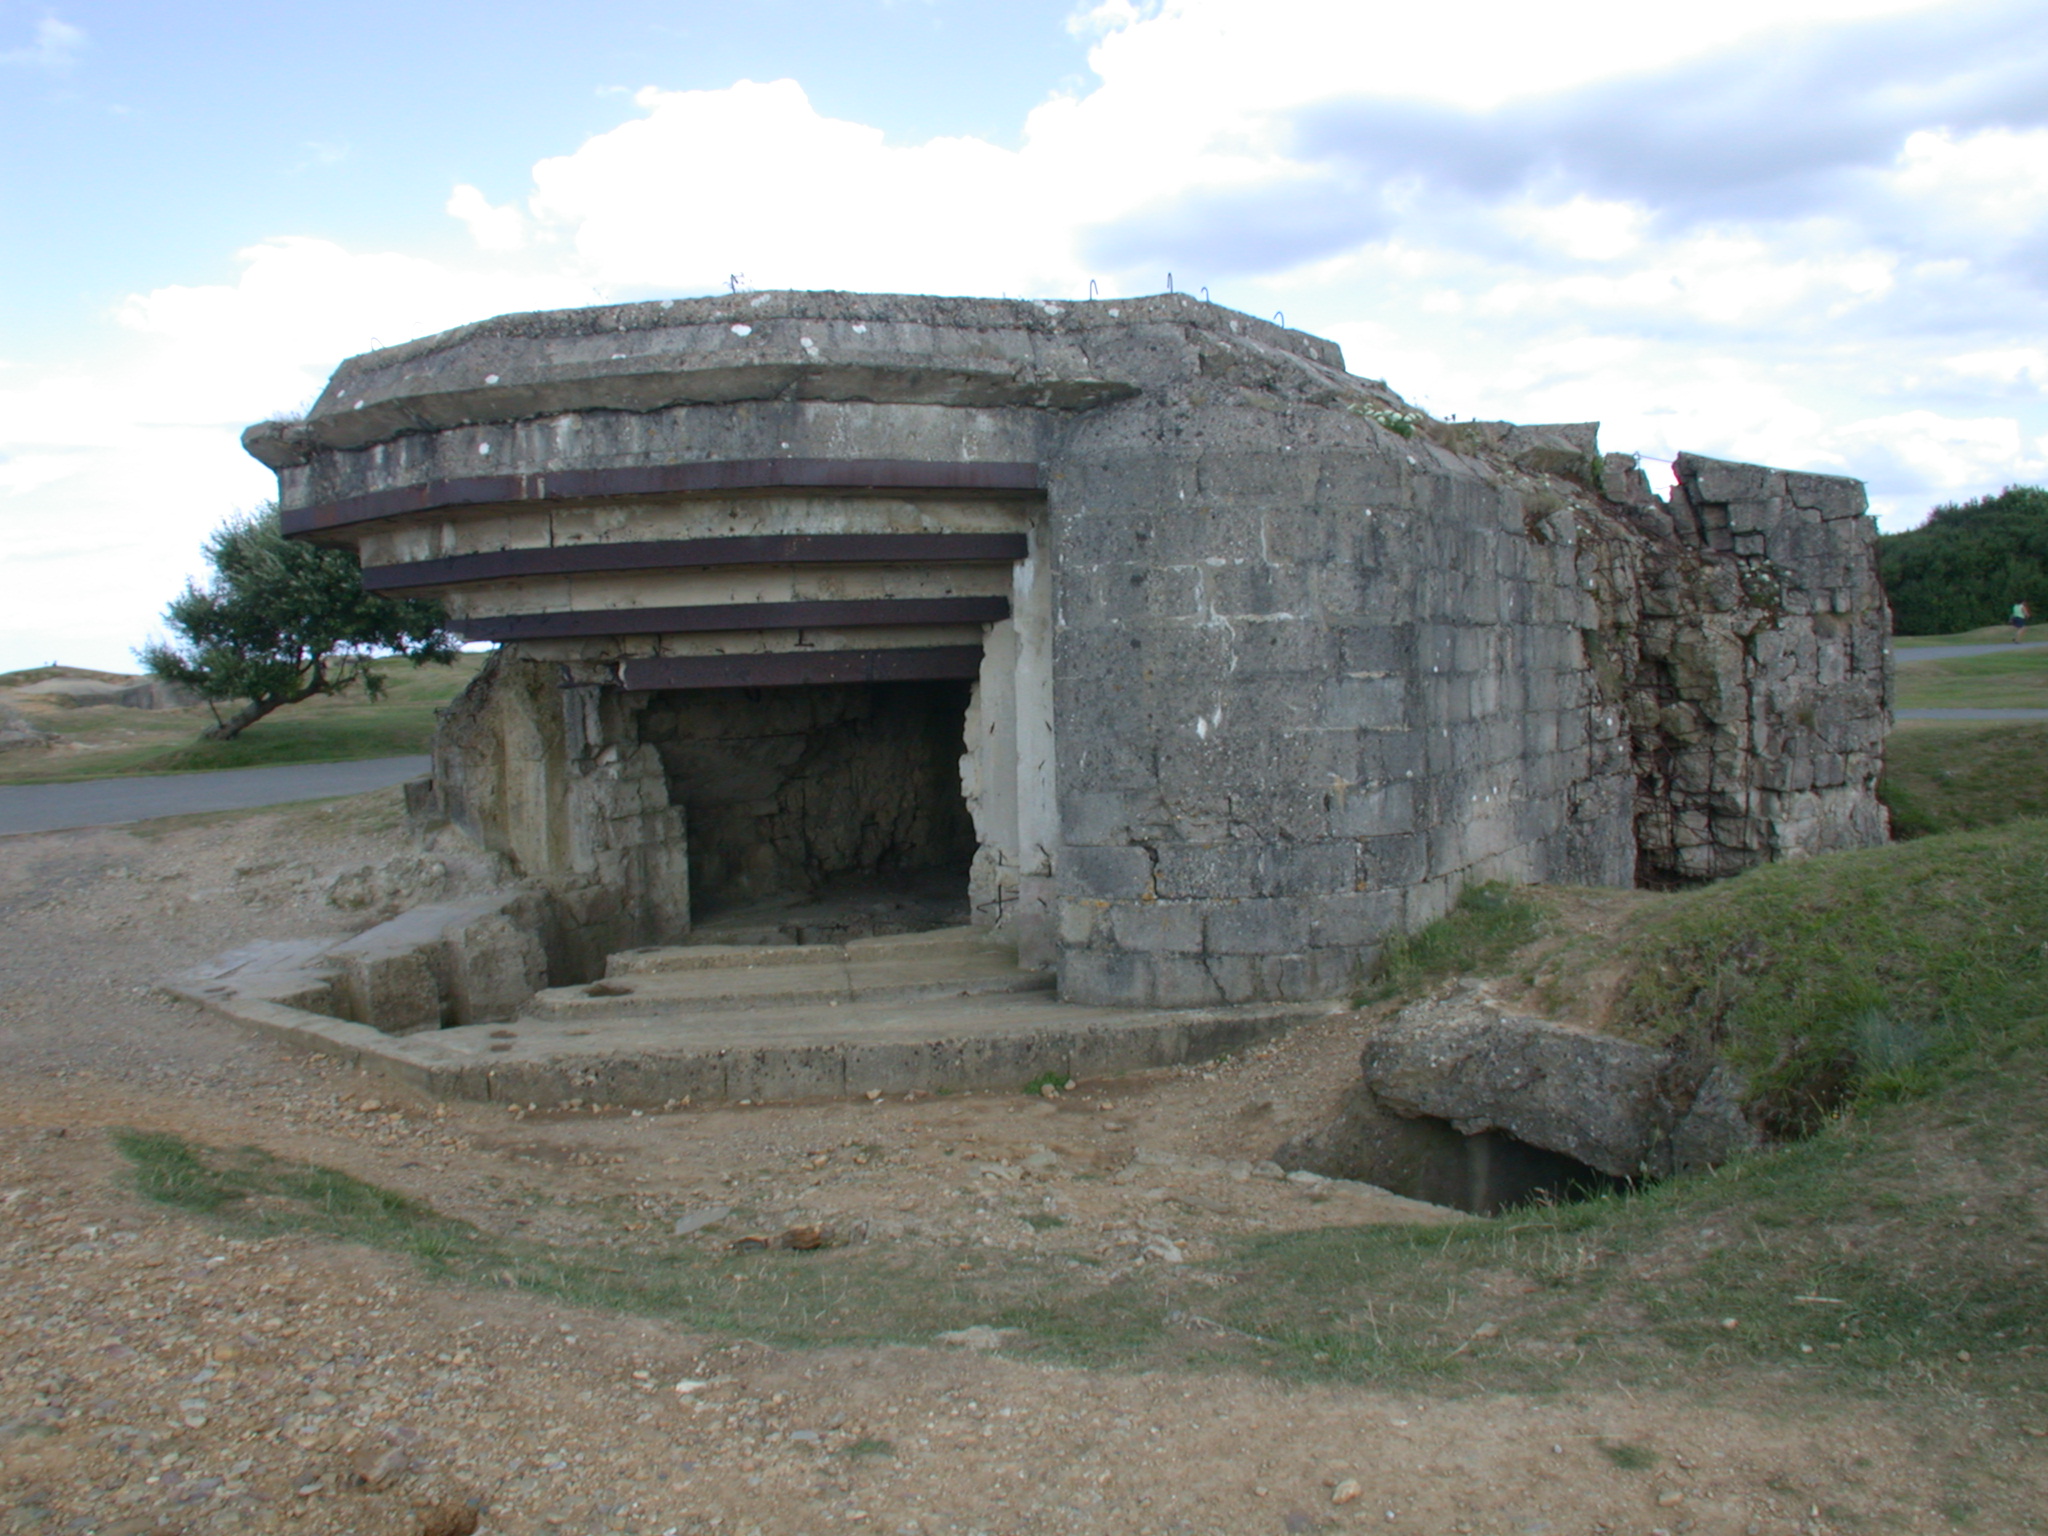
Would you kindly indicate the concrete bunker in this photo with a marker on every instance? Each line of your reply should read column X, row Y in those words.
column 1241, row 663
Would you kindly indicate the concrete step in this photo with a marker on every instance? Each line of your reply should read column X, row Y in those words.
column 697, row 979
column 934, row 944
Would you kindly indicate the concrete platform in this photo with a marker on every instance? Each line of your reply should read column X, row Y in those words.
column 943, row 1011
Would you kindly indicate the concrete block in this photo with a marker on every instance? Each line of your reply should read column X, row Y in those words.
column 396, row 991
column 1357, row 921
column 1240, row 978
column 1079, row 920
column 1395, row 862
column 1103, row 817
column 1257, row 927
column 1157, row 926
column 1181, row 981
column 1365, row 703
column 1106, row 873
column 1107, row 977
column 1310, row 869
column 1208, row 871
column 1387, row 649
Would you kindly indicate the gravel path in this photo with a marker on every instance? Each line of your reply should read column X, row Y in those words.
column 115, row 802
column 1958, row 652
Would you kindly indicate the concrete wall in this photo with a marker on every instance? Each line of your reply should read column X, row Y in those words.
column 1312, row 676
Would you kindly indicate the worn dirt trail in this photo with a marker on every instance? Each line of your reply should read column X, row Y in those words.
column 162, row 1373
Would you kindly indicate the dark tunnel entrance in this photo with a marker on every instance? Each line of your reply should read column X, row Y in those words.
column 821, row 812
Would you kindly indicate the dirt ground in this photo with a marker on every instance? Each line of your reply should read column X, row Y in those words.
column 162, row 1373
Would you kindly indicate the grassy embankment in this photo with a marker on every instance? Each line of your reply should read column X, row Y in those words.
column 2016, row 679
column 104, row 741
column 1952, row 776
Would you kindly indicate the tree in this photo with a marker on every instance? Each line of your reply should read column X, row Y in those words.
column 1967, row 565
column 282, row 621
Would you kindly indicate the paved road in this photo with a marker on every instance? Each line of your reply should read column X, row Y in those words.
column 110, row 802
column 1957, row 652
column 1970, row 714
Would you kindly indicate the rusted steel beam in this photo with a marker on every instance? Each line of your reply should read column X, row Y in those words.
column 708, row 478
column 860, row 613
column 781, row 669
column 677, row 554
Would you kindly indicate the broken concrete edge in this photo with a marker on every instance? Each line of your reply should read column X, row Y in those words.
column 1624, row 1109
column 471, row 960
column 768, row 1073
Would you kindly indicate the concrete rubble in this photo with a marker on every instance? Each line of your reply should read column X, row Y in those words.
column 1443, row 1080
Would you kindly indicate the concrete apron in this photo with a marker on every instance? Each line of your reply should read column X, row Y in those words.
column 709, row 1024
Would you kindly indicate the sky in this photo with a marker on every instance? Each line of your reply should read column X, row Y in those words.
column 1811, row 233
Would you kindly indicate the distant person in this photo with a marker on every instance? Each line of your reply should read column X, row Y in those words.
column 2022, row 615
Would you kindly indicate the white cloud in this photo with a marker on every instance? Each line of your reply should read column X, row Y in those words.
column 2023, row 367
column 1929, row 453
column 110, row 478
column 1812, row 232
column 1997, row 179
column 56, row 47
column 492, row 228
column 753, row 180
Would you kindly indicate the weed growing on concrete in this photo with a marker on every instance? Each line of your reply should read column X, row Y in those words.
column 1487, row 925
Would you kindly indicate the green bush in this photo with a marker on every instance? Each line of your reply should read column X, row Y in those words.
column 1967, row 565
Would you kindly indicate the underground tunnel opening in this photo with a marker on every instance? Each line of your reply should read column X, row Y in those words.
column 817, row 813
column 1424, row 1158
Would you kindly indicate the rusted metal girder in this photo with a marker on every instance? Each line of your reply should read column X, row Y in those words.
column 699, row 618
column 778, row 669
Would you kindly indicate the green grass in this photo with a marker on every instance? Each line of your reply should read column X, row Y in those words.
column 1944, row 778
column 2017, row 679
column 1628, row 1457
column 1489, row 923
column 1989, row 634
column 1844, row 1264
column 1858, row 974
column 117, row 742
